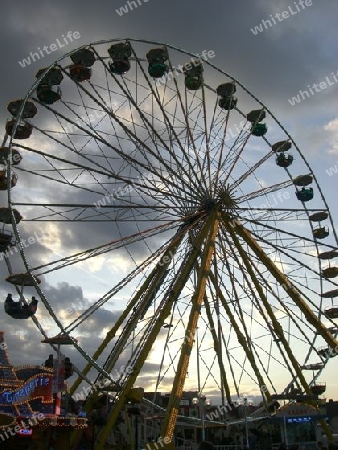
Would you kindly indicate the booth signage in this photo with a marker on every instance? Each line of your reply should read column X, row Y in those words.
column 37, row 386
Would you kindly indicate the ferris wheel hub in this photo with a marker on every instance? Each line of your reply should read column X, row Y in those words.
column 209, row 205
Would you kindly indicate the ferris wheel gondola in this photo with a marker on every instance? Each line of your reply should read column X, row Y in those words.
column 158, row 183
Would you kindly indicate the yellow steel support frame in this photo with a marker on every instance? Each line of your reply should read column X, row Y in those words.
column 149, row 287
column 153, row 288
column 255, row 299
column 186, row 269
column 170, row 417
column 241, row 338
column 225, row 388
column 285, row 284
column 275, row 323
column 235, row 226
column 217, row 345
column 164, row 263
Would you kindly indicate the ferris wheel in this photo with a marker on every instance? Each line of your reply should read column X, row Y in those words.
column 160, row 173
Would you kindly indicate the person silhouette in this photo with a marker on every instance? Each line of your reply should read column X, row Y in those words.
column 9, row 299
column 33, row 304
column 49, row 362
column 9, row 303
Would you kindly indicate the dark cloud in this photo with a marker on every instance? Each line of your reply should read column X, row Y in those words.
column 274, row 64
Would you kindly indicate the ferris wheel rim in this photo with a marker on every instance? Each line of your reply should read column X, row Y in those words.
column 12, row 204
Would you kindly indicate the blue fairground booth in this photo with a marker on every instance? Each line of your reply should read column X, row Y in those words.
column 298, row 423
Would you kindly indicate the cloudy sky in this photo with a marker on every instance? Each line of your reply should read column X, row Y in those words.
column 275, row 60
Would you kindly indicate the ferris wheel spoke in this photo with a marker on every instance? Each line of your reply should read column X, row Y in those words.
column 235, row 362
column 63, row 182
column 189, row 134
column 120, row 212
column 154, row 327
column 284, row 282
column 267, row 322
column 136, row 167
column 238, row 309
column 171, row 132
column 149, row 127
column 223, row 129
column 238, row 153
column 167, row 347
column 206, row 164
column 218, row 346
column 296, row 319
column 142, row 297
column 72, row 148
column 264, row 191
column 217, row 333
column 209, row 368
column 162, row 371
column 286, row 249
column 234, row 154
column 140, row 310
column 235, row 150
column 118, row 287
column 104, row 248
column 192, row 137
column 240, row 336
column 94, row 129
column 149, row 168
column 182, row 367
column 252, row 169
column 133, row 134
column 293, row 315
column 75, row 166
column 281, row 213
column 275, row 323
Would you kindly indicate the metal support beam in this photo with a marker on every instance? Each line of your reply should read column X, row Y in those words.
column 170, row 418
column 285, row 284
column 163, row 311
